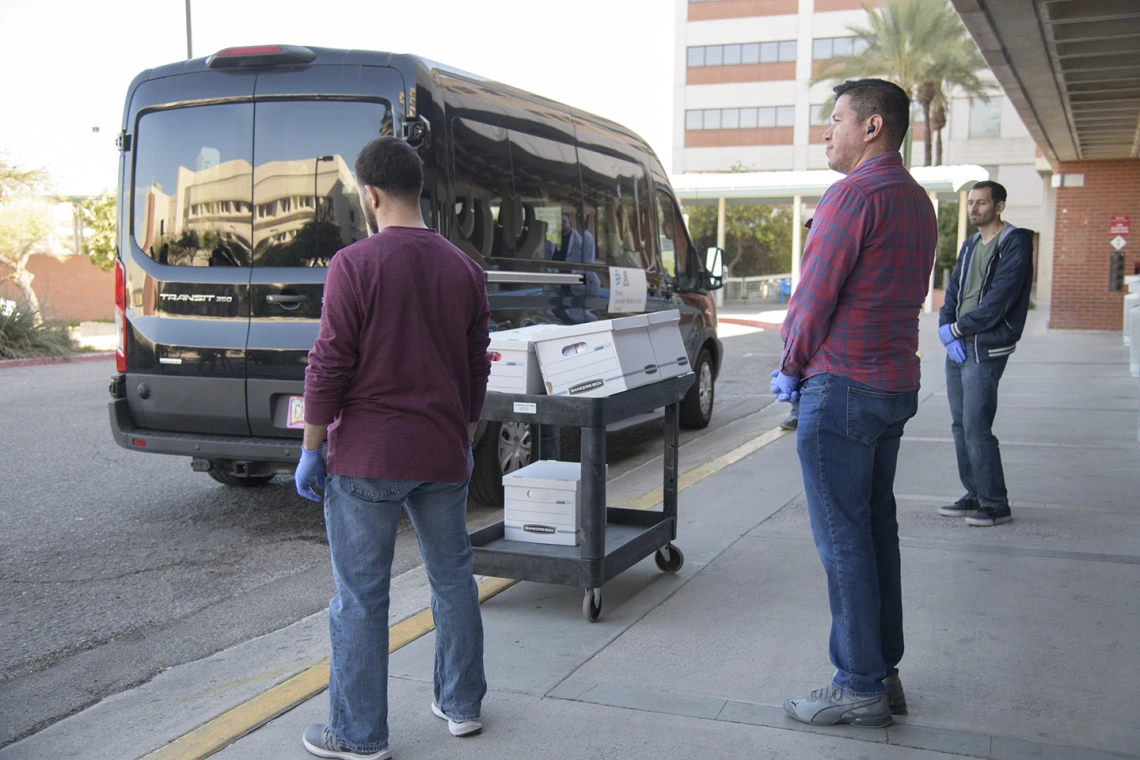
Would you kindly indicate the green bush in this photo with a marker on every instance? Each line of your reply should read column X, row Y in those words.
column 22, row 338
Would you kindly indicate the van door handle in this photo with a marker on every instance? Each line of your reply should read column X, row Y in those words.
column 280, row 299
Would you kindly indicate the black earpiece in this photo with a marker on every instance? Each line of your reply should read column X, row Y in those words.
column 871, row 130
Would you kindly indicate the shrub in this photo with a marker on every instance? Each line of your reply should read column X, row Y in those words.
column 21, row 338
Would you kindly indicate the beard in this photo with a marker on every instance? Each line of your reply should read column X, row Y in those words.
column 369, row 219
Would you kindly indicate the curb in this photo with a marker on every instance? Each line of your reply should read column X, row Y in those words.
column 749, row 323
column 78, row 359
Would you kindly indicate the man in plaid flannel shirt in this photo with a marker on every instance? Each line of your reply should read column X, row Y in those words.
column 850, row 342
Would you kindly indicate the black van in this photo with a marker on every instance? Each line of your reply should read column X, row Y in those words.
column 236, row 188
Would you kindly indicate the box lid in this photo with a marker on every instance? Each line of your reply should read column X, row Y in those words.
column 546, row 473
column 661, row 317
column 520, row 337
column 589, row 328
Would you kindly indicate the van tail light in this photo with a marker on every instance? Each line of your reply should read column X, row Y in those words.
column 260, row 55
column 120, row 318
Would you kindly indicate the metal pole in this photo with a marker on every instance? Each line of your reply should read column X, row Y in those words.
column 928, row 304
column 961, row 218
column 721, row 237
column 797, row 237
column 189, row 41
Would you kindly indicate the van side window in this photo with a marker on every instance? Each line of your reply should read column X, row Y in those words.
column 615, row 199
column 484, row 210
column 550, row 198
column 193, row 184
column 674, row 243
column 305, row 203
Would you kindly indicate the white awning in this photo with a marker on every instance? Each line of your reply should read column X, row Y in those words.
column 774, row 187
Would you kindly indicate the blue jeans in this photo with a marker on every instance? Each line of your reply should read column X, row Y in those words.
column 972, row 388
column 362, row 516
column 848, row 442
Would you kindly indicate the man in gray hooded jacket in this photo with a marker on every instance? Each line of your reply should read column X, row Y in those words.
column 987, row 299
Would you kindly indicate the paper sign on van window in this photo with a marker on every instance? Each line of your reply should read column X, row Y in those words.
column 627, row 290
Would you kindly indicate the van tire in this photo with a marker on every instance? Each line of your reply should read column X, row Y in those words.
column 229, row 479
column 697, row 406
column 487, row 479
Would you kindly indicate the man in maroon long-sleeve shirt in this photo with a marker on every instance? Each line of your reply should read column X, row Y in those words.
column 850, row 338
column 396, row 381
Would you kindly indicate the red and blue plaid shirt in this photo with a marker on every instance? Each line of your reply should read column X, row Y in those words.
column 866, row 269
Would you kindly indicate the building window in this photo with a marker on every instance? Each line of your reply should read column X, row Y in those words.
column 741, row 118
column 821, row 115
column 742, row 54
column 826, row 48
column 985, row 118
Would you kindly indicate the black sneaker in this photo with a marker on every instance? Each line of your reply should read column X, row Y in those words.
column 896, row 699
column 791, row 423
column 961, row 508
column 987, row 517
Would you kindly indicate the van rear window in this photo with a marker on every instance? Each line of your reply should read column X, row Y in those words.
column 269, row 184
column 304, row 187
column 193, row 185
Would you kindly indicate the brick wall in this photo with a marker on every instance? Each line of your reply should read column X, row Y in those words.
column 70, row 288
column 1081, row 299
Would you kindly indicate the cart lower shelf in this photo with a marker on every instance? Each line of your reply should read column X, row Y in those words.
column 631, row 536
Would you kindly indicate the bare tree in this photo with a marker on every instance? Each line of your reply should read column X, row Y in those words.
column 25, row 223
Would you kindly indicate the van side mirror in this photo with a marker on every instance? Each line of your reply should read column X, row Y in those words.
column 714, row 268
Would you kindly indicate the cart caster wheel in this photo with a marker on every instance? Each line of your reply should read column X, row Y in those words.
column 669, row 559
column 592, row 604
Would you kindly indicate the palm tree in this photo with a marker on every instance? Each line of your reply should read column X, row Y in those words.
column 923, row 47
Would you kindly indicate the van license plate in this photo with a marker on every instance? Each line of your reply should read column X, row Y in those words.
column 296, row 412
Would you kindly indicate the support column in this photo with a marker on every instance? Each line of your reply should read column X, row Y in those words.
column 797, row 238
column 928, row 304
column 721, row 236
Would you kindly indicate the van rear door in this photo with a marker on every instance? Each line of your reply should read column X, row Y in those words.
column 187, row 257
column 305, row 209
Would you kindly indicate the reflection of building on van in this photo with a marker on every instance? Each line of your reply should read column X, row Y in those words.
column 210, row 209
column 242, row 165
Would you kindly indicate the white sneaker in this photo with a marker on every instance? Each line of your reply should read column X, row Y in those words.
column 457, row 728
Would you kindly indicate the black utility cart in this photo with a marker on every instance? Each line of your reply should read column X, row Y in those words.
column 613, row 539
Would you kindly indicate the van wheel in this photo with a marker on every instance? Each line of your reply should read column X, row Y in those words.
column 229, row 479
column 697, row 406
column 504, row 448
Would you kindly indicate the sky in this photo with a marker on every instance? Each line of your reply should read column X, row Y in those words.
column 70, row 61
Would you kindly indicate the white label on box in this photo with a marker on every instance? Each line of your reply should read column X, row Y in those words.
column 525, row 408
column 627, row 290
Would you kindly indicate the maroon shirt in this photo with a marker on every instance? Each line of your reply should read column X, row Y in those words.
column 400, row 365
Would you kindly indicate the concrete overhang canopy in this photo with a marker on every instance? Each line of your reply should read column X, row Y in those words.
column 782, row 187
column 1070, row 68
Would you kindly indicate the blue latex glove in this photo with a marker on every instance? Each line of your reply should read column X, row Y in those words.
column 956, row 351
column 312, row 465
column 786, row 388
column 945, row 335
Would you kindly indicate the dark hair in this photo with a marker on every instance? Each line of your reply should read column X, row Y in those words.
column 878, row 96
column 997, row 192
column 391, row 166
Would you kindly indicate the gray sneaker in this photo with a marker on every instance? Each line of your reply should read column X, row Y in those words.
column 791, row 423
column 320, row 742
column 829, row 707
column 987, row 517
column 896, row 700
column 961, row 508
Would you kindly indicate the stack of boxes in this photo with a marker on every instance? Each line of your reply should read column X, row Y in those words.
column 592, row 360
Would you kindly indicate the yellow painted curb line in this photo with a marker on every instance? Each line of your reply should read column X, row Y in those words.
column 227, row 728
column 706, row 470
column 222, row 731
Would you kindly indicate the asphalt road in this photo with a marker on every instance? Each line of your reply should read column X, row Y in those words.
column 115, row 565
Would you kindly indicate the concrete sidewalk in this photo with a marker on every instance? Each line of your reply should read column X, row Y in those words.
column 1021, row 639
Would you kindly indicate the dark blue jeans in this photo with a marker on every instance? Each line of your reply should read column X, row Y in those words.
column 972, row 388
column 362, row 517
column 848, row 442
